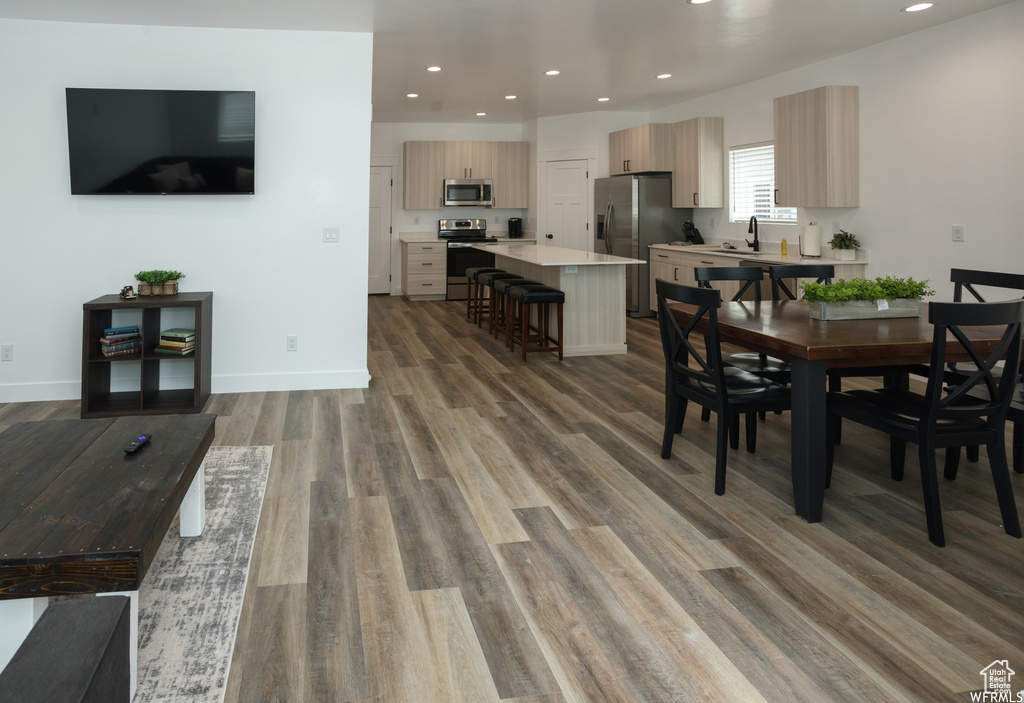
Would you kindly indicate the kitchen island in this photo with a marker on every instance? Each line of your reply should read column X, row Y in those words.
column 595, row 291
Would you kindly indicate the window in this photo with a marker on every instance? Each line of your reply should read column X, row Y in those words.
column 237, row 118
column 752, row 185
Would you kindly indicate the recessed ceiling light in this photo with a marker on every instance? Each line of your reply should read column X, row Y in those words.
column 480, row 114
column 433, row 69
column 697, row 2
column 551, row 73
column 603, row 100
column 664, row 75
column 917, row 7
column 510, row 97
column 412, row 95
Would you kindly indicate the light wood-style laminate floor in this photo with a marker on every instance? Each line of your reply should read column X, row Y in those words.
column 472, row 528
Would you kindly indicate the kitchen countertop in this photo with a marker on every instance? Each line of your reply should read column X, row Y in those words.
column 553, row 256
column 768, row 257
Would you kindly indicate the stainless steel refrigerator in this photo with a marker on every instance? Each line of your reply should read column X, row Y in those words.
column 631, row 213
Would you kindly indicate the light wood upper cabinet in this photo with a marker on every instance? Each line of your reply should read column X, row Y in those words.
column 467, row 160
column 817, row 148
column 640, row 149
column 510, row 174
column 422, row 175
column 698, row 177
column 427, row 164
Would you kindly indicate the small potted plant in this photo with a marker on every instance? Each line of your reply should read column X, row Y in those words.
column 157, row 282
column 861, row 298
column 844, row 245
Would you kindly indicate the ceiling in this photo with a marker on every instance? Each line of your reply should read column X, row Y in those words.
column 603, row 48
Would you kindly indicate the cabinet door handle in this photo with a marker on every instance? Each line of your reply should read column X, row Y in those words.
column 707, row 262
column 695, row 200
column 776, row 196
column 428, row 263
column 662, row 256
column 470, row 171
column 675, row 273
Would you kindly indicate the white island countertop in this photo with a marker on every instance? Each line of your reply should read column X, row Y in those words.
column 553, row 256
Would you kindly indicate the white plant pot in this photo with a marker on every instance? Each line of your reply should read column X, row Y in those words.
column 864, row 309
column 845, row 254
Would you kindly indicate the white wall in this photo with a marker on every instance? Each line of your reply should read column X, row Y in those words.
column 262, row 255
column 942, row 143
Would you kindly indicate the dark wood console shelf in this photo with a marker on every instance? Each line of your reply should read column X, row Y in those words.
column 98, row 400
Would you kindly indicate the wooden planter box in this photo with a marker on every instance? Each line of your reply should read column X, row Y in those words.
column 864, row 309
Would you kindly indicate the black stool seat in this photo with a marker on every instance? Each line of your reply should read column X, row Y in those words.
column 503, row 284
column 487, row 278
column 530, row 294
column 474, row 271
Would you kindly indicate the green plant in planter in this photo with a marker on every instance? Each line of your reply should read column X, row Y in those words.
column 158, row 278
column 888, row 288
column 844, row 240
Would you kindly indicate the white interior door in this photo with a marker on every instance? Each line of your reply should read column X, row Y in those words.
column 567, row 208
column 380, row 230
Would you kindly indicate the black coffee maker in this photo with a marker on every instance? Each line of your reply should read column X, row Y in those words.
column 515, row 228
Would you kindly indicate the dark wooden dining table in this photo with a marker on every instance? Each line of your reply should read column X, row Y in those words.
column 784, row 329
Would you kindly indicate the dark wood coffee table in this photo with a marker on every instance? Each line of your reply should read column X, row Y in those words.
column 79, row 516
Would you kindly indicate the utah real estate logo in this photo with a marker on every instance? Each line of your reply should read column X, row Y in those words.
column 998, row 685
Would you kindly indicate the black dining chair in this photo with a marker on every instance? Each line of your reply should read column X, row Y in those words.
column 947, row 415
column 969, row 280
column 694, row 370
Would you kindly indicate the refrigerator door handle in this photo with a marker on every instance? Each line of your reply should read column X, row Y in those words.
column 609, row 228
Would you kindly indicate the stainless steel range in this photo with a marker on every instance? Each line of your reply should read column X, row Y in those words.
column 461, row 235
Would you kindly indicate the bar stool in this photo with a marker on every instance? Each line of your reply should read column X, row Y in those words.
column 485, row 283
column 523, row 297
column 473, row 298
column 503, row 305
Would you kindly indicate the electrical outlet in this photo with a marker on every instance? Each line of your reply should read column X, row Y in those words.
column 291, row 343
column 572, row 269
column 959, row 233
column 415, row 220
column 7, row 352
column 712, row 223
column 332, row 235
column 496, row 220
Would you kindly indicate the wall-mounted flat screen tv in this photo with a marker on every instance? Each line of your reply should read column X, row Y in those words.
column 161, row 141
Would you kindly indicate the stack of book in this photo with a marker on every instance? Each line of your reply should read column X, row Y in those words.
column 177, row 341
column 120, row 341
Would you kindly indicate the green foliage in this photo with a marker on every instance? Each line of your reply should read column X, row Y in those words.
column 158, row 278
column 888, row 288
column 844, row 240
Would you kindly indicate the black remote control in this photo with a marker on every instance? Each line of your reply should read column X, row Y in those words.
column 137, row 443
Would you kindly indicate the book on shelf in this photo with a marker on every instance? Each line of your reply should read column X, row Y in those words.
column 108, row 331
column 177, row 345
column 178, row 333
column 121, row 352
column 173, row 352
column 114, row 339
column 128, row 345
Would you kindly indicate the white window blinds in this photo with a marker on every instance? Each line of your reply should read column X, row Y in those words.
column 237, row 119
column 752, row 185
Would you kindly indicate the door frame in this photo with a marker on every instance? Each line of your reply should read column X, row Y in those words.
column 590, row 155
column 396, row 248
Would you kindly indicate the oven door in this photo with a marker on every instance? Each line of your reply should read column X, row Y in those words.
column 460, row 258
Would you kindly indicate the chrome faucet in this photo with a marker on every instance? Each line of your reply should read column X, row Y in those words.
column 752, row 229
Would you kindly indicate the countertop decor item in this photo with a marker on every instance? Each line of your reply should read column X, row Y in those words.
column 844, row 245
column 862, row 298
column 158, row 282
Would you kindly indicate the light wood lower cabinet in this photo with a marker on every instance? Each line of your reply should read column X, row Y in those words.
column 678, row 266
column 424, row 274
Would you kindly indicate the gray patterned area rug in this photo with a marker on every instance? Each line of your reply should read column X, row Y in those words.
column 191, row 598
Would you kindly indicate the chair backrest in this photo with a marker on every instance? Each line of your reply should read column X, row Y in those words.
column 966, row 279
column 976, row 391
column 751, row 275
column 822, row 273
column 677, row 341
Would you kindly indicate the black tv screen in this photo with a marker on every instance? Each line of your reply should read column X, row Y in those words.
column 161, row 141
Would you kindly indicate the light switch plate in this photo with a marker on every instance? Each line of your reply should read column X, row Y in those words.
column 959, row 233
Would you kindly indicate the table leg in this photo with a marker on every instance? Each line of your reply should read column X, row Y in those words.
column 192, row 513
column 17, row 617
column 133, row 637
column 808, row 437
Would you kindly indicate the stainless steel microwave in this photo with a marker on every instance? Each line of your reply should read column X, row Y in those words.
column 467, row 192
